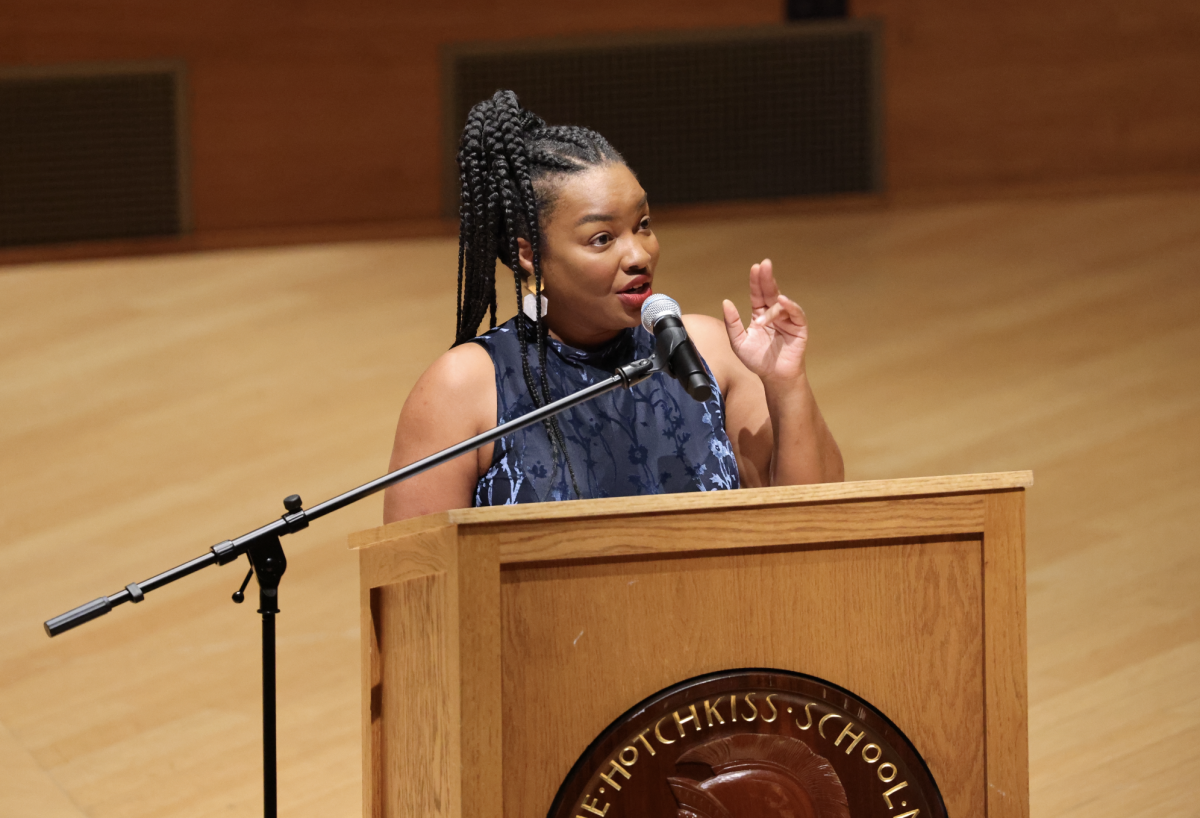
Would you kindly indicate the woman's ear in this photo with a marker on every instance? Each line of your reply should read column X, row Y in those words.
column 525, row 256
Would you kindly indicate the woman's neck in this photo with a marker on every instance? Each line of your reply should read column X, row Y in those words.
column 585, row 340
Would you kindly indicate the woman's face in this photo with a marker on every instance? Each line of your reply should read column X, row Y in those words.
column 599, row 255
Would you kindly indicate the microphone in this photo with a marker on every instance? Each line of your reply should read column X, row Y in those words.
column 674, row 350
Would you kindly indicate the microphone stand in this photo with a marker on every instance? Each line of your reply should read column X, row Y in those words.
column 268, row 562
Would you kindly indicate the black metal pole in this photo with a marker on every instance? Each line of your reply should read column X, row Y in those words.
column 269, row 563
column 270, row 782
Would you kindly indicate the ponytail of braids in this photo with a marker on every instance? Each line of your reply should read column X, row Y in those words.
column 505, row 155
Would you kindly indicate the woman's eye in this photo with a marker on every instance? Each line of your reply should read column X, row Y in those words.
column 646, row 223
column 602, row 240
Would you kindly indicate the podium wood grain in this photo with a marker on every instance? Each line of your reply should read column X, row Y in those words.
column 905, row 592
column 431, row 670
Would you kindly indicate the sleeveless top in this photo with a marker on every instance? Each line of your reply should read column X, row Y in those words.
column 651, row 439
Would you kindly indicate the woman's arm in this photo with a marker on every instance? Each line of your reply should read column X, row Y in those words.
column 455, row 399
column 778, row 433
column 804, row 449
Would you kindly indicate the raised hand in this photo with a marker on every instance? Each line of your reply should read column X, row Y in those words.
column 772, row 347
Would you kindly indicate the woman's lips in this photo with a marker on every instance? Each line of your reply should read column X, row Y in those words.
column 633, row 299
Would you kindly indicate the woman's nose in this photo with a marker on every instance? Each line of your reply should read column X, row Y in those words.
column 636, row 256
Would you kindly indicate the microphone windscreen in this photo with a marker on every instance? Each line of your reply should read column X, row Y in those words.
column 657, row 306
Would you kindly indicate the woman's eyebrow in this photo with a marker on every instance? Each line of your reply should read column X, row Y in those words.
column 607, row 217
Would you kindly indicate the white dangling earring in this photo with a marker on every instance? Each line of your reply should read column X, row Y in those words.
column 529, row 306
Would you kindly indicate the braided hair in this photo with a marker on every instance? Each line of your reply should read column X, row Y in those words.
column 509, row 161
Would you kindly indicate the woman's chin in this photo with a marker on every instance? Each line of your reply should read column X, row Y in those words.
column 631, row 317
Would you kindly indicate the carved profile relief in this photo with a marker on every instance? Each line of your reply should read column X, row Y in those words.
column 759, row 776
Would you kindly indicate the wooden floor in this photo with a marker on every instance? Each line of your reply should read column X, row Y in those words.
column 152, row 407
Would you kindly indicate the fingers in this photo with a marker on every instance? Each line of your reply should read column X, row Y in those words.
column 733, row 324
column 764, row 292
column 766, row 275
column 794, row 311
column 758, row 301
column 785, row 316
column 769, row 316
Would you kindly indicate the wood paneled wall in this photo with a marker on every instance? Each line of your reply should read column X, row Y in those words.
column 312, row 113
column 990, row 95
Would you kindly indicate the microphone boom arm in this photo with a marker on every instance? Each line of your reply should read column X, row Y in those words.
column 297, row 518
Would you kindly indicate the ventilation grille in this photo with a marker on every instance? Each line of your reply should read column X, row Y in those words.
column 741, row 114
column 90, row 153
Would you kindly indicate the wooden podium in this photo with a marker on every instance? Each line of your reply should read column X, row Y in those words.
column 498, row 643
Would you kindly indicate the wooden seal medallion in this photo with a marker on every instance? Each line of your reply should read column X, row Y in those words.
column 750, row 744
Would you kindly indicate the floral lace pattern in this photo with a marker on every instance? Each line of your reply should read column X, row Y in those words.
column 651, row 439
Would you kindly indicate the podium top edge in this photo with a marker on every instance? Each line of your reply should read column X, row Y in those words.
column 697, row 501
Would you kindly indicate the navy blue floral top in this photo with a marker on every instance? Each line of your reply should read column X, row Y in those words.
column 651, row 439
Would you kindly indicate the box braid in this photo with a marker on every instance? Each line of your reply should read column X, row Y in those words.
column 508, row 161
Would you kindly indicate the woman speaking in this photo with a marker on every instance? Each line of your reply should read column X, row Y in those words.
column 558, row 206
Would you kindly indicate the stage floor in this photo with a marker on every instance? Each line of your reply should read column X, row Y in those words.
column 151, row 407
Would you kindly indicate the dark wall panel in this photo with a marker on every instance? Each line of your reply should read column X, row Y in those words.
column 750, row 113
column 89, row 153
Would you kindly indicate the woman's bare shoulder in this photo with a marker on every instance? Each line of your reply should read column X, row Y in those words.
column 458, row 369
column 711, row 339
column 453, row 400
column 460, row 382
column 704, row 328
